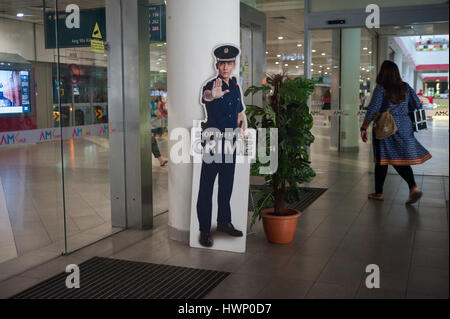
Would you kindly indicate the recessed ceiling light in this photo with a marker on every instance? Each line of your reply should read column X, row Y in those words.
column 328, row 68
column 312, row 70
column 320, row 71
column 299, row 45
column 278, row 55
column 323, row 53
column 370, row 52
column 313, row 50
column 280, row 38
column 296, row 66
column 368, row 78
column 19, row 15
column 325, row 72
column 277, row 62
column 286, row 64
column 312, row 63
column 364, row 48
column 303, row 62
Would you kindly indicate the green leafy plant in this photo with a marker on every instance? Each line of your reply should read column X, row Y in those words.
column 286, row 110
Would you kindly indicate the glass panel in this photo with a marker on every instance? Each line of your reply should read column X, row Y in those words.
column 159, row 111
column 31, row 205
column 84, row 116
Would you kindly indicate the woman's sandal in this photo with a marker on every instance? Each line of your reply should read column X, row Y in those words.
column 375, row 196
column 414, row 197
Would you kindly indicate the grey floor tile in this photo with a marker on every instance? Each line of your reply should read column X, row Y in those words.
column 240, row 286
column 16, row 284
column 282, row 288
column 343, row 272
column 430, row 257
column 331, row 291
column 428, row 281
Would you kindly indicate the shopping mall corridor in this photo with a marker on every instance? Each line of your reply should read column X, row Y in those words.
column 337, row 237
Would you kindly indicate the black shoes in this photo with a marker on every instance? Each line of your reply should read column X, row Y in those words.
column 205, row 238
column 229, row 229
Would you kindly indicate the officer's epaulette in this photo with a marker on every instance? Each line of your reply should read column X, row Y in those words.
column 233, row 80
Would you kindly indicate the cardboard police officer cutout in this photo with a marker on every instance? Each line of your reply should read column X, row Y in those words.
column 221, row 173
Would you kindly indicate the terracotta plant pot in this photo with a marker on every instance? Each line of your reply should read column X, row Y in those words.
column 280, row 229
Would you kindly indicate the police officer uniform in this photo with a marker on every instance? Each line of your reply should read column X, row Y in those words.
column 222, row 113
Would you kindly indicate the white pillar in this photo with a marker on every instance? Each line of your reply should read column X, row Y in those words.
column 193, row 29
column 350, row 72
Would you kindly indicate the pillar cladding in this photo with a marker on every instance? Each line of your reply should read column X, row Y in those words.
column 129, row 111
column 350, row 73
column 193, row 30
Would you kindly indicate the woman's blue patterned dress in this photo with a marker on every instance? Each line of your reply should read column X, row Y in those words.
column 401, row 148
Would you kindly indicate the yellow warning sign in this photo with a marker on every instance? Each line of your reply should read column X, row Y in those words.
column 99, row 114
column 96, row 33
column 97, row 46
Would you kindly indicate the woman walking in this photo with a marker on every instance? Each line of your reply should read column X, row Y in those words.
column 401, row 150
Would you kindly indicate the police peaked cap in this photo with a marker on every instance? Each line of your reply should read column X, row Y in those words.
column 226, row 53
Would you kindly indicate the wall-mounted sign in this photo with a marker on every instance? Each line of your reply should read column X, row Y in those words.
column 70, row 36
column 432, row 44
column 157, row 16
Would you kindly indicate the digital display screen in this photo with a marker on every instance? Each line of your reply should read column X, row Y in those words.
column 14, row 92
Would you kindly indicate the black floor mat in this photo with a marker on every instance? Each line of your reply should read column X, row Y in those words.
column 307, row 196
column 107, row 278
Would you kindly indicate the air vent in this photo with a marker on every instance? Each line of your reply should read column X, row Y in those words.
column 279, row 18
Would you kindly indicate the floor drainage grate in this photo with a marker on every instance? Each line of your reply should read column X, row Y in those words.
column 307, row 196
column 107, row 278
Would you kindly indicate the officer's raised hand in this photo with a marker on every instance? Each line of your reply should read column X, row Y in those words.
column 216, row 91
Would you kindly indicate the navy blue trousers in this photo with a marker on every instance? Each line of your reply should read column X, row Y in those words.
column 208, row 175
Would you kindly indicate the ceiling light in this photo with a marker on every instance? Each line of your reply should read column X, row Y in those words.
column 320, row 71
column 368, row 78
column 370, row 52
column 299, row 45
column 286, row 64
column 321, row 66
column 277, row 62
column 364, row 48
column 296, row 66
column 267, row 52
column 313, row 50
column 328, row 68
column 280, row 38
column 312, row 63
column 278, row 55
column 325, row 72
column 19, row 15
column 323, row 53
column 303, row 62
column 312, row 70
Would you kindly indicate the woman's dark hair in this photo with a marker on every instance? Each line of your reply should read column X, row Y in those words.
column 389, row 77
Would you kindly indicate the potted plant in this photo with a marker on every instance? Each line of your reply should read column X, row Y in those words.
column 286, row 110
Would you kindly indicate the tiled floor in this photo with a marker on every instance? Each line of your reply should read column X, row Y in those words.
column 336, row 238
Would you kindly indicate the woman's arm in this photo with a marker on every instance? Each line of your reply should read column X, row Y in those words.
column 374, row 106
column 414, row 102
